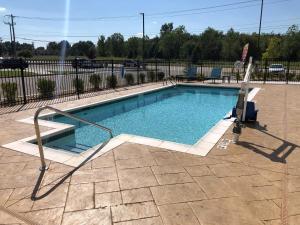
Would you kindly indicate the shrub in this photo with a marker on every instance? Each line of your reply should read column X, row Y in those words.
column 160, row 76
column 200, row 77
column 79, row 86
column 112, row 81
column 95, row 80
column 151, row 76
column 46, row 88
column 142, row 78
column 129, row 78
column 10, row 91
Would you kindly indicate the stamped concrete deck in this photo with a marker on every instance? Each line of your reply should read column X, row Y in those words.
column 255, row 182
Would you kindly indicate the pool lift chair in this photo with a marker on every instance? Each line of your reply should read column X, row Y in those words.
column 244, row 110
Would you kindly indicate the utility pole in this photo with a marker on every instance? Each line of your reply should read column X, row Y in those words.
column 13, row 32
column 143, row 54
column 11, row 24
column 260, row 20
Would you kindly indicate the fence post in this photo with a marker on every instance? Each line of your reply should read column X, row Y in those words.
column 156, row 70
column 112, row 67
column 138, row 72
column 23, row 86
column 265, row 71
column 169, row 68
column 77, row 78
column 287, row 73
column 201, row 71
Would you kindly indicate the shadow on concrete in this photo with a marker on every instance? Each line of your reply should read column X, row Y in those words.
column 60, row 180
column 278, row 155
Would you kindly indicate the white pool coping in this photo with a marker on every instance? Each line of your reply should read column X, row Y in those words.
column 201, row 148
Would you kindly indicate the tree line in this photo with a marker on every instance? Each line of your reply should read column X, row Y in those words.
column 174, row 43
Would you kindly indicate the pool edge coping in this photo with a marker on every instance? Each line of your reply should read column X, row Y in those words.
column 201, row 148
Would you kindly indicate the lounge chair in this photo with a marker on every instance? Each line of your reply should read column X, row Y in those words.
column 251, row 113
column 191, row 74
column 215, row 74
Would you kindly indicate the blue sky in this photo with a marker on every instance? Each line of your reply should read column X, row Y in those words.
column 244, row 17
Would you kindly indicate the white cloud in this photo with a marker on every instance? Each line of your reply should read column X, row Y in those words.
column 2, row 9
column 154, row 22
column 139, row 35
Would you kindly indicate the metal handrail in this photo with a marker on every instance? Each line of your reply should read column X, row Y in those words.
column 38, row 133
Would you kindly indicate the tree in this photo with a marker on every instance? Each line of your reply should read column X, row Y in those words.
column 274, row 49
column 115, row 44
column 52, row 48
column 166, row 28
column 172, row 40
column 92, row 52
column 25, row 53
column 211, row 40
column 291, row 43
column 133, row 45
column 64, row 47
column 81, row 48
column 231, row 47
column 101, row 47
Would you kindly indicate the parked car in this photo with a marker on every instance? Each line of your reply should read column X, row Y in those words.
column 13, row 63
column 87, row 64
column 133, row 63
column 130, row 63
column 276, row 68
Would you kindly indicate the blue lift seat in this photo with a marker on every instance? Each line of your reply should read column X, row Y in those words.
column 251, row 112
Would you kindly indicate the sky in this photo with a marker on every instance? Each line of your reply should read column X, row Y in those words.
column 40, row 21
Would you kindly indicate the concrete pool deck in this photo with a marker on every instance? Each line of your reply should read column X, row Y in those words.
column 255, row 182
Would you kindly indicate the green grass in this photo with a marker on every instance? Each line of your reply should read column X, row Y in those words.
column 15, row 73
column 66, row 72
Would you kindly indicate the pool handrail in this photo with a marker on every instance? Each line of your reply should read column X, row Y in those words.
column 66, row 114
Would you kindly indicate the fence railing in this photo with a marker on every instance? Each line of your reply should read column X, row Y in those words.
column 43, row 80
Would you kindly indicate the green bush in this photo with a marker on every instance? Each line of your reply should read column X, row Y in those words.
column 95, row 80
column 129, row 78
column 79, row 86
column 151, row 76
column 46, row 88
column 160, row 76
column 200, row 77
column 112, row 81
column 10, row 91
column 142, row 78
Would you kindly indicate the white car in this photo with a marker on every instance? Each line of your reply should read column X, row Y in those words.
column 276, row 68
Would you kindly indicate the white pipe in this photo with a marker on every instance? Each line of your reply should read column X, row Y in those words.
column 245, row 87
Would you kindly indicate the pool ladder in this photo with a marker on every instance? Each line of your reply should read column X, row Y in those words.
column 170, row 79
column 66, row 114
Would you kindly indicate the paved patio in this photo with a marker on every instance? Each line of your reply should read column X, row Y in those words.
column 255, row 182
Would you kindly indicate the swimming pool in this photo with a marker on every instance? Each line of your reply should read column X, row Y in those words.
column 181, row 114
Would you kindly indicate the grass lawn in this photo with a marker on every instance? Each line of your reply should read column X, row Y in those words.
column 15, row 73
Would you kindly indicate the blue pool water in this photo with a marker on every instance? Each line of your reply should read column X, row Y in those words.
column 180, row 114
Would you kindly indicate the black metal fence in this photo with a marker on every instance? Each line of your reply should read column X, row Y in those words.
column 43, row 80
